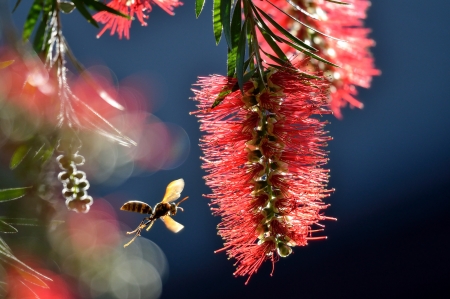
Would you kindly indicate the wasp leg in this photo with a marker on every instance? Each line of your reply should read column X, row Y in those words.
column 149, row 224
column 141, row 225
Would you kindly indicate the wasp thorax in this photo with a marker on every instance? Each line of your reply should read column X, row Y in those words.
column 173, row 209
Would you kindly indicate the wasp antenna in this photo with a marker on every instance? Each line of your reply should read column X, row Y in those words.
column 182, row 200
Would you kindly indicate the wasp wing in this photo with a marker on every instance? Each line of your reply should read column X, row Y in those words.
column 137, row 206
column 173, row 190
column 172, row 224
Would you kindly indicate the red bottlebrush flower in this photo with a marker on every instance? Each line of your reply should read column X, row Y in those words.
column 349, row 49
column 263, row 151
column 138, row 8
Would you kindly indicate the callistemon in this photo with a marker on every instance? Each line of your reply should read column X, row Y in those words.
column 263, row 152
column 138, row 8
column 346, row 44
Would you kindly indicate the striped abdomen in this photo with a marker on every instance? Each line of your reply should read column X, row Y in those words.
column 137, row 206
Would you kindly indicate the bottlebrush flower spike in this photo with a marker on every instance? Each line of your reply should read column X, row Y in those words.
column 263, row 151
column 140, row 8
column 349, row 47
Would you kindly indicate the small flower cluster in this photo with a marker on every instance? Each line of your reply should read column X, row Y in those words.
column 74, row 181
column 340, row 38
column 140, row 8
column 263, row 152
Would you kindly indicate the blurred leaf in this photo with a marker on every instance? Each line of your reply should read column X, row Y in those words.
column 84, row 12
column 4, row 248
column 19, row 155
column 13, row 193
column 6, row 228
column 31, row 278
column 5, row 64
column 39, row 44
column 225, row 13
column 249, row 75
column 295, row 6
column 33, row 16
column 27, row 221
column 99, row 6
column 217, row 22
column 66, row 6
column 199, row 4
column 240, row 56
column 17, row 5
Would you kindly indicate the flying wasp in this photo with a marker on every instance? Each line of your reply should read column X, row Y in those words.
column 162, row 210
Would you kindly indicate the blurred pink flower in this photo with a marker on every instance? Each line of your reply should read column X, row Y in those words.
column 263, row 152
column 138, row 8
column 350, row 49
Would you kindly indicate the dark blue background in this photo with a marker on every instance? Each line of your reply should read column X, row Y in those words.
column 389, row 162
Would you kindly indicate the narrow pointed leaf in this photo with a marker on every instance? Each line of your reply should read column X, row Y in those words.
column 240, row 56
column 40, row 43
column 84, row 12
column 29, row 277
column 295, row 6
column 231, row 62
column 12, row 193
column 249, row 75
column 6, row 228
column 19, row 155
column 33, row 16
column 225, row 13
column 283, row 31
column 236, row 24
column 274, row 46
column 217, row 22
column 312, row 55
column 27, row 221
column 304, row 24
column 99, row 6
column 199, row 4
column 221, row 97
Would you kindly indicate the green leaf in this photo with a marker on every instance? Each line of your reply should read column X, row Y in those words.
column 217, row 22
column 231, row 62
column 307, row 52
column 249, row 75
column 6, row 228
column 225, row 13
column 240, row 56
column 199, row 4
column 99, row 6
column 304, row 24
column 225, row 91
column 12, row 193
column 6, row 63
column 19, row 155
column 33, row 16
column 282, row 30
column 66, row 6
column 84, row 12
column 39, row 44
column 273, row 45
column 236, row 24
column 235, row 33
